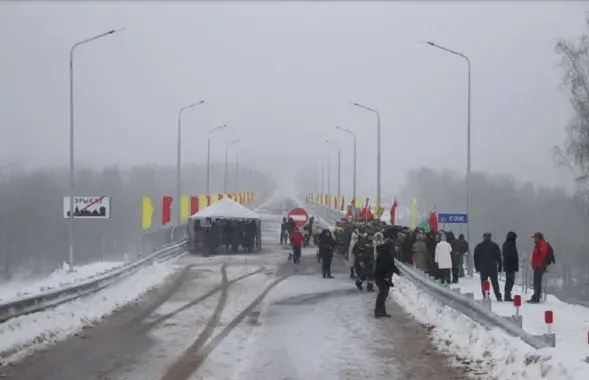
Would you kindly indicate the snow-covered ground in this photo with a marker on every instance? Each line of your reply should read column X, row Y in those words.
column 29, row 332
column 59, row 278
column 571, row 322
column 503, row 356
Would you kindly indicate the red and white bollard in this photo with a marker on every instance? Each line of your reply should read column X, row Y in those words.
column 486, row 297
column 517, row 302
column 549, row 336
column 486, row 288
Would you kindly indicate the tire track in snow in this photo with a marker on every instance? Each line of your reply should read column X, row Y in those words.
column 189, row 361
column 196, row 355
column 201, row 298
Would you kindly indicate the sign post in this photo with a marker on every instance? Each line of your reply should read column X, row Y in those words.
column 87, row 207
column 452, row 218
column 300, row 216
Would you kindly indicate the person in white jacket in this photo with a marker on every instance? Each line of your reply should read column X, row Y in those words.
column 443, row 258
column 351, row 257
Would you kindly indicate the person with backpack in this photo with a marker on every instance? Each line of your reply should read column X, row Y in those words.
column 542, row 257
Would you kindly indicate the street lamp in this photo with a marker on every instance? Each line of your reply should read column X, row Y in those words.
column 226, row 161
column 378, row 181
column 355, row 161
column 468, row 188
column 209, row 156
column 179, row 157
column 339, row 162
column 72, row 174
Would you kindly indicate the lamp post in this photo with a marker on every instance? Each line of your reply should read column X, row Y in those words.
column 72, row 168
column 209, row 156
column 179, row 158
column 227, row 162
column 378, row 180
column 468, row 187
column 339, row 162
column 355, row 160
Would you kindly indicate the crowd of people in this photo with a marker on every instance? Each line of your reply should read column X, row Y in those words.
column 438, row 253
column 216, row 234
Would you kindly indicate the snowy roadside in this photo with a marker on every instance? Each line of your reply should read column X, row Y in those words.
column 571, row 322
column 19, row 336
column 498, row 354
column 59, row 278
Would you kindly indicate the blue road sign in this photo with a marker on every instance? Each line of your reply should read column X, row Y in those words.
column 453, row 218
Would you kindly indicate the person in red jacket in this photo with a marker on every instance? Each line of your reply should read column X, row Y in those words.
column 539, row 256
column 296, row 240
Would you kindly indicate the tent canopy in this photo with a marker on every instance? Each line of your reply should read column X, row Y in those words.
column 226, row 208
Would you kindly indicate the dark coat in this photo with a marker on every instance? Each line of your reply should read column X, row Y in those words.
column 326, row 244
column 487, row 258
column 385, row 263
column 510, row 255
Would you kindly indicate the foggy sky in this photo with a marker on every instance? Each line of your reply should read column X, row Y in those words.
column 281, row 75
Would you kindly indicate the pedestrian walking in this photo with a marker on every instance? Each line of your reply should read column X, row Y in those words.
column 383, row 276
column 326, row 247
column 296, row 240
column 351, row 257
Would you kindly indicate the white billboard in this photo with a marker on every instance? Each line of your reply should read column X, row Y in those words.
column 87, row 207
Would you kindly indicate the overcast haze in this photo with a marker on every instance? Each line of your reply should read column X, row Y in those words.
column 281, row 75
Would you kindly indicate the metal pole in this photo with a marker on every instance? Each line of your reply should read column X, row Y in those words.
column 209, row 157
column 355, row 157
column 226, row 164
column 209, row 165
column 237, row 174
column 179, row 159
column 378, row 172
column 328, row 175
column 468, row 150
column 339, row 172
column 72, row 168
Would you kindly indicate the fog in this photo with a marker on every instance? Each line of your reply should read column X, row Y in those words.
column 281, row 75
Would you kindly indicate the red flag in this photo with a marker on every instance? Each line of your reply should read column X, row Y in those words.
column 193, row 205
column 166, row 209
column 433, row 221
column 393, row 212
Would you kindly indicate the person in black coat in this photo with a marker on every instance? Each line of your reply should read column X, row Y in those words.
column 510, row 263
column 488, row 262
column 364, row 261
column 326, row 247
column 283, row 233
column 384, row 268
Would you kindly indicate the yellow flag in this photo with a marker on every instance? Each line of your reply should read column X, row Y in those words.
column 146, row 212
column 184, row 207
column 413, row 211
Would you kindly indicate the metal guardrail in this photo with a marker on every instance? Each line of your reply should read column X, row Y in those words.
column 171, row 240
column 466, row 305
column 51, row 298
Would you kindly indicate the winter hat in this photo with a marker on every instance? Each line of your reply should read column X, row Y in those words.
column 487, row 235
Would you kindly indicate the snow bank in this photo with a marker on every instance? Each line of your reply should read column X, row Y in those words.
column 59, row 278
column 501, row 355
column 18, row 336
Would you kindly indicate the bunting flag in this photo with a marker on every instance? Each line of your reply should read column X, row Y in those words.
column 146, row 212
column 393, row 211
column 203, row 202
column 194, row 205
column 413, row 211
column 184, row 207
column 166, row 209
column 433, row 221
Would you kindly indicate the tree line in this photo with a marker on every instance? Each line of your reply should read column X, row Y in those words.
column 34, row 232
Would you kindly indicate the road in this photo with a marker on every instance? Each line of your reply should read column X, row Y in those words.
column 247, row 317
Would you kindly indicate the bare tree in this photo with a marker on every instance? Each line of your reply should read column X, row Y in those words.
column 575, row 61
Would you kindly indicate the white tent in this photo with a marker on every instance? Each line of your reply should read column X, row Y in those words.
column 226, row 208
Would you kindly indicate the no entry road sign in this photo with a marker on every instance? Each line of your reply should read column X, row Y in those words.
column 300, row 216
column 453, row 218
